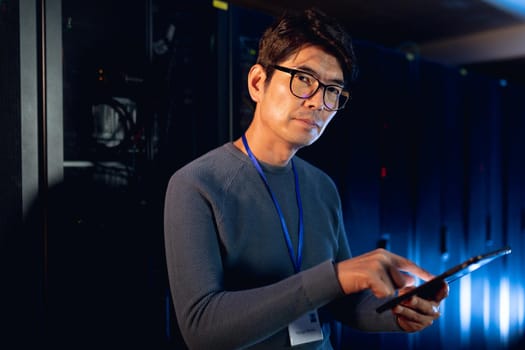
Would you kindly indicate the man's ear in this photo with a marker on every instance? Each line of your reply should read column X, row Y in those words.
column 256, row 82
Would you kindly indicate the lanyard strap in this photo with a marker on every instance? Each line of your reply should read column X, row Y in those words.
column 296, row 260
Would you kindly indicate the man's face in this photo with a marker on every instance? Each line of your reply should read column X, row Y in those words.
column 297, row 121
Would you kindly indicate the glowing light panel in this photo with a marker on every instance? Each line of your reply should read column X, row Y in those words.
column 465, row 308
column 486, row 305
column 504, row 310
column 521, row 307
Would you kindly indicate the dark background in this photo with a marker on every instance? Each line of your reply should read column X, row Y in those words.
column 427, row 157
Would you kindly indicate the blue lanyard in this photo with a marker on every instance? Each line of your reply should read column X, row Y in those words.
column 296, row 260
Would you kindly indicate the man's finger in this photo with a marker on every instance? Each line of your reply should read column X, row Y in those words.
column 399, row 279
column 404, row 264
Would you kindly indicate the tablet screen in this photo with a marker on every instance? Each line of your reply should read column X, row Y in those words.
column 429, row 289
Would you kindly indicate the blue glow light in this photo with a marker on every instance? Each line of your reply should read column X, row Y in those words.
column 516, row 7
column 486, row 305
column 504, row 310
column 465, row 306
column 521, row 307
column 517, row 313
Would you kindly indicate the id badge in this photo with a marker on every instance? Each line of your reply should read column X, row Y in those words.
column 305, row 329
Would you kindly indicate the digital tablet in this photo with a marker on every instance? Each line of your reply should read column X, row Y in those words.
column 428, row 289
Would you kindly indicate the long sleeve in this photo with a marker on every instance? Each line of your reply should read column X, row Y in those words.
column 364, row 316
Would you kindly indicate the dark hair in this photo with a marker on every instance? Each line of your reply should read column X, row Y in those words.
column 293, row 31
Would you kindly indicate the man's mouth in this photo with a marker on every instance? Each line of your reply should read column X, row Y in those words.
column 310, row 122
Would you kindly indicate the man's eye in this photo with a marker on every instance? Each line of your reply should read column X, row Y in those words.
column 333, row 90
column 305, row 79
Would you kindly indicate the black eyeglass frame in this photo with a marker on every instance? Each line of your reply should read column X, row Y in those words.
column 293, row 72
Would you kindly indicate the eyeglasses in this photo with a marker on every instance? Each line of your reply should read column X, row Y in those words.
column 305, row 85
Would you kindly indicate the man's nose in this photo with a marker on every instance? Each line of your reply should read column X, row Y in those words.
column 316, row 100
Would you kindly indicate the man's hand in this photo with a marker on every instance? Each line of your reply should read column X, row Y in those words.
column 380, row 271
column 383, row 273
column 417, row 313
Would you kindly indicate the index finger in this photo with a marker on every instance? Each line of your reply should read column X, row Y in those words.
column 404, row 264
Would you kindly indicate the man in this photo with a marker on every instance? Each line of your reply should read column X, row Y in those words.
column 256, row 249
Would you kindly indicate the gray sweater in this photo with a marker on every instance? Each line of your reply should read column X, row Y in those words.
column 231, row 277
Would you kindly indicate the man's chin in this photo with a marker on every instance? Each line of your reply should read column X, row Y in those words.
column 306, row 141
